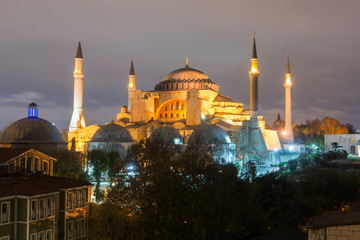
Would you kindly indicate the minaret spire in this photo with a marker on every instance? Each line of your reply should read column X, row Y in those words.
column 254, row 74
column 132, row 71
column 187, row 63
column 79, row 51
column 287, row 63
column 288, row 135
column 131, row 86
column 78, row 119
column 254, row 53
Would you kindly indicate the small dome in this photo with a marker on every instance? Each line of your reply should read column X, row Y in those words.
column 31, row 130
column 186, row 78
column 167, row 135
column 209, row 134
column 112, row 133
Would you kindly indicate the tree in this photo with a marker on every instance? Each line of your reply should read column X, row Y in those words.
column 99, row 162
column 67, row 162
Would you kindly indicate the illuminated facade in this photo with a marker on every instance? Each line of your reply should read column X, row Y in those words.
column 184, row 100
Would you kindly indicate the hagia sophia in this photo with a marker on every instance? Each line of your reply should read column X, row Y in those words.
column 186, row 106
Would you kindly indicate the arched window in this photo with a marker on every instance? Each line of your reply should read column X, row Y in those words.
column 182, row 106
column 182, row 115
column 172, row 86
column 177, row 115
column 165, row 108
column 172, row 115
column 160, row 115
column 165, row 115
column 177, row 106
column 172, row 107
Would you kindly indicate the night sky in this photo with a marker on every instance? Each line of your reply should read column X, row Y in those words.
column 38, row 41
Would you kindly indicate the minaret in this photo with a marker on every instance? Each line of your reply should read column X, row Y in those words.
column 78, row 119
column 254, row 75
column 131, row 86
column 288, row 135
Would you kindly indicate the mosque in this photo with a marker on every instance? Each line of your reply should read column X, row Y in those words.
column 184, row 101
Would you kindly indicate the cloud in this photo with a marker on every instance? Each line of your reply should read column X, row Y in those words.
column 22, row 97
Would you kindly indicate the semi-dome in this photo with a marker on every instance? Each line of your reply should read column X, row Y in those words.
column 209, row 134
column 166, row 135
column 186, row 78
column 112, row 133
column 31, row 129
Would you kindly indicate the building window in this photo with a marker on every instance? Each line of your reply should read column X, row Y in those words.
column 182, row 106
column 49, row 234
column 165, row 115
column 41, row 208
column 177, row 106
column 11, row 167
column 33, row 236
column 22, row 164
column 5, row 212
column 41, row 235
column 34, row 209
column 49, row 207
column 36, row 164
column 70, row 230
column 177, row 115
column 182, row 115
column 46, row 167
column 83, row 226
column 171, row 115
column 70, row 200
column 160, row 115
column 165, row 108
column 172, row 107
column 352, row 149
column 76, row 228
column 78, row 199
column 83, row 197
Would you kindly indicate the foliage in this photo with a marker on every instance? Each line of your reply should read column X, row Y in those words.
column 174, row 195
column 99, row 161
column 67, row 162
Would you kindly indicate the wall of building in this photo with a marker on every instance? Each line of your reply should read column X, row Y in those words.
column 351, row 232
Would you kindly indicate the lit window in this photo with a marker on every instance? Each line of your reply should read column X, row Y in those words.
column 172, row 107
column 171, row 115
column 177, row 115
column 5, row 212
column 177, row 106
column 34, row 209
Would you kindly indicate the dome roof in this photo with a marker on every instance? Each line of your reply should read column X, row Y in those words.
column 186, row 78
column 167, row 135
column 209, row 134
column 186, row 74
column 31, row 130
column 112, row 133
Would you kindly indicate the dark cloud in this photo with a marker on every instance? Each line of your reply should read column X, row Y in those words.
column 39, row 39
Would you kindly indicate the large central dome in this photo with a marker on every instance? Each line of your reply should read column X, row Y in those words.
column 186, row 78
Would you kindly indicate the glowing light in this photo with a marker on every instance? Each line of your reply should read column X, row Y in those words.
column 284, row 133
column 275, row 149
column 131, row 85
column 291, row 148
column 253, row 70
column 288, row 81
